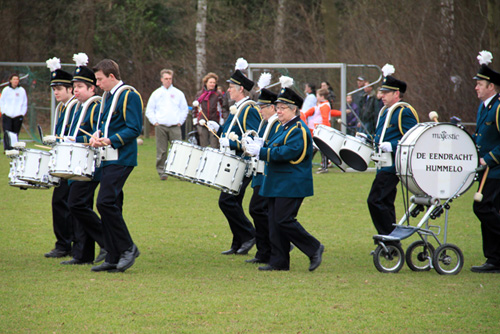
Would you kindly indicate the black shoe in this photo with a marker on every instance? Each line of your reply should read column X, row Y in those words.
column 101, row 256
column 316, row 258
column 105, row 266
column 256, row 260
column 75, row 261
column 57, row 253
column 229, row 251
column 127, row 258
column 486, row 268
column 271, row 268
column 246, row 246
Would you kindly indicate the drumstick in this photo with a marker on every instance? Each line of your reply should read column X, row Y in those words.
column 88, row 134
column 478, row 197
column 209, row 129
column 45, row 147
column 204, row 114
column 434, row 116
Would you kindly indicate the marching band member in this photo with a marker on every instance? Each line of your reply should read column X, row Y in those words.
column 60, row 82
column 259, row 204
column 288, row 179
column 383, row 191
column 249, row 119
column 88, row 227
column 487, row 137
column 124, row 127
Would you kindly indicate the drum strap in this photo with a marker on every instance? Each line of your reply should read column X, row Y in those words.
column 304, row 138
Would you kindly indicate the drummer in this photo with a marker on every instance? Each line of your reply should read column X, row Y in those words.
column 231, row 205
column 259, row 204
column 288, row 179
column 62, row 220
column 487, row 139
column 88, row 227
column 383, row 192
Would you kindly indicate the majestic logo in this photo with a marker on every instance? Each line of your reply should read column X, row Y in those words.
column 445, row 136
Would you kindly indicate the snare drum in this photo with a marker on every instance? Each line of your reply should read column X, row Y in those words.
column 329, row 141
column 183, row 160
column 434, row 159
column 73, row 161
column 14, row 180
column 356, row 153
column 33, row 167
column 221, row 170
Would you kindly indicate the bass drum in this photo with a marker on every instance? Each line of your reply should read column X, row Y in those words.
column 435, row 159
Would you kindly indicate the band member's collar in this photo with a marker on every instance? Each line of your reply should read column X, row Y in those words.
column 113, row 90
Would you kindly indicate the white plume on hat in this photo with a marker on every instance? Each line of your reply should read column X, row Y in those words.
column 388, row 69
column 286, row 81
column 81, row 59
column 484, row 57
column 264, row 80
column 241, row 64
column 53, row 64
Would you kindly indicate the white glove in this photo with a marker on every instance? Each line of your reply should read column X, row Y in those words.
column 213, row 126
column 386, row 146
column 361, row 135
column 249, row 141
column 259, row 141
column 224, row 142
column 195, row 121
column 253, row 149
column 221, row 121
column 69, row 139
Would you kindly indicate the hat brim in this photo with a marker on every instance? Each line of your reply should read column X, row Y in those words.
column 385, row 89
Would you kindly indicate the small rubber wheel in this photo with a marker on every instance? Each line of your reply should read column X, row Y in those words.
column 448, row 259
column 390, row 261
column 419, row 256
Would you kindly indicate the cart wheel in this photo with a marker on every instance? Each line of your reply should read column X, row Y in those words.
column 419, row 256
column 391, row 261
column 448, row 259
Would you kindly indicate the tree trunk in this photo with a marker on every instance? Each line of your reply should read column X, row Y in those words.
column 87, row 28
column 494, row 29
column 201, row 51
column 279, row 31
column 331, row 28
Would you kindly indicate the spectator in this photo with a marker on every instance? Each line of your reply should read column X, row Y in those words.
column 352, row 114
column 167, row 110
column 310, row 100
column 356, row 97
column 13, row 105
column 367, row 110
column 210, row 103
column 331, row 95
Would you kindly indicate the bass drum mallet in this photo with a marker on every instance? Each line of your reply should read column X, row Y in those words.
column 478, row 197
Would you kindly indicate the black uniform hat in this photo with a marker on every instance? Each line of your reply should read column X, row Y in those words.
column 486, row 73
column 82, row 72
column 266, row 97
column 240, row 79
column 58, row 76
column 390, row 83
column 288, row 95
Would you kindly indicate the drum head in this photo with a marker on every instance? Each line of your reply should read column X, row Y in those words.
column 328, row 151
column 354, row 160
column 442, row 160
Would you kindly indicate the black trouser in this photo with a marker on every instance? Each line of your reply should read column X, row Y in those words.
column 259, row 213
column 488, row 213
column 12, row 125
column 381, row 202
column 239, row 224
column 88, row 227
column 285, row 229
column 62, row 220
column 117, row 238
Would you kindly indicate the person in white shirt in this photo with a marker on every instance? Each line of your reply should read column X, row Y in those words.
column 310, row 100
column 167, row 110
column 13, row 105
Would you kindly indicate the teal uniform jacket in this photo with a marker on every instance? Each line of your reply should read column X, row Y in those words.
column 88, row 123
column 249, row 119
column 61, row 111
column 487, row 136
column 288, row 155
column 124, row 128
column 258, row 179
column 402, row 120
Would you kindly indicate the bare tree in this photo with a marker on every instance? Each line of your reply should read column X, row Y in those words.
column 279, row 31
column 201, row 51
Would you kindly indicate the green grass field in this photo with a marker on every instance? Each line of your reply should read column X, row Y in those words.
column 181, row 283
